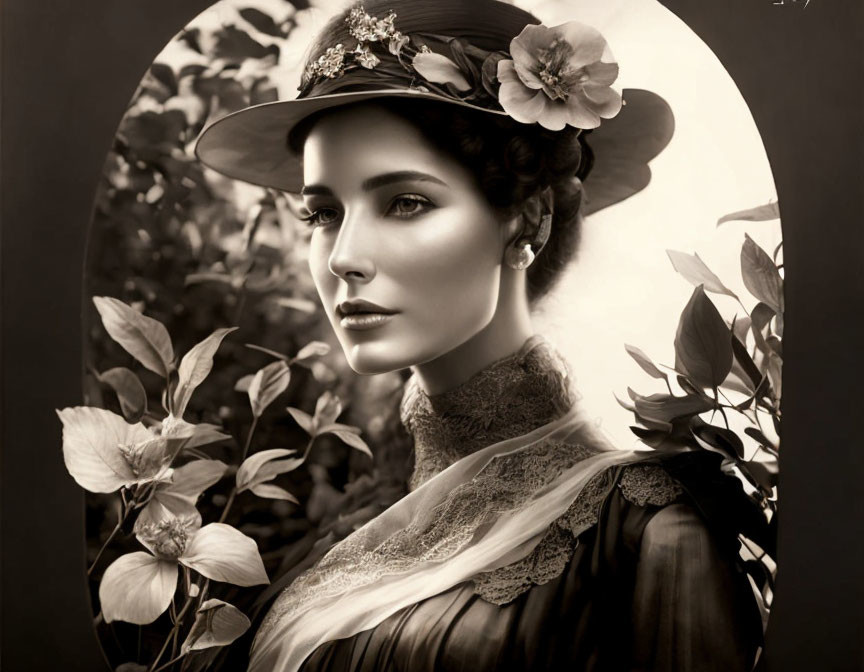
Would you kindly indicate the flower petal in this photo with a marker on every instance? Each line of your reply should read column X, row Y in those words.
column 587, row 42
column 555, row 116
column 527, row 44
column 223, row 553
column 605, row 102
column 137, row 588
column 580, row 111
column 217, row 623
column 521, row 103
column 438, row 68
column 163, row 506
column 192, row 479
column 601, row 74
column 91, row 440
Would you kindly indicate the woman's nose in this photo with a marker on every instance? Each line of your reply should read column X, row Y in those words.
column 351, row 256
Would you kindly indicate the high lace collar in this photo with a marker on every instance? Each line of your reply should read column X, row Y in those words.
column 510, row 397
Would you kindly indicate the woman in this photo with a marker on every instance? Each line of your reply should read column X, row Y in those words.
column 440, row 150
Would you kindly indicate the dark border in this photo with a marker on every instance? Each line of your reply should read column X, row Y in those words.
column 68, row 70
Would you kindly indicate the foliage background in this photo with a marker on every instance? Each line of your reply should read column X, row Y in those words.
column 197, row 252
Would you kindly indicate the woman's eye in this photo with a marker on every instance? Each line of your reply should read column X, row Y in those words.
column 322, row 217
column 409, row 205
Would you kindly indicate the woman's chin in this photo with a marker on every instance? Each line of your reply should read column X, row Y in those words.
column 376, row 357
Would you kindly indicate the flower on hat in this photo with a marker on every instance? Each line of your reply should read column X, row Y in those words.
column 556, row 77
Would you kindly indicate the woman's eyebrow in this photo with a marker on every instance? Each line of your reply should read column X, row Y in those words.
column 399, row 176
column 376, row 182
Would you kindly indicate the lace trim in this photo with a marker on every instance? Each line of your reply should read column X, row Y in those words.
column 640, row 484
column 508, row 398
column 649, row 485
column 505, row 484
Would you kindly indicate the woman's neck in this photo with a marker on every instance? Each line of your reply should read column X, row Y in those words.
column 503, row 336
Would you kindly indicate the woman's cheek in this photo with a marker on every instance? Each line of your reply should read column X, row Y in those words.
column 452, row 270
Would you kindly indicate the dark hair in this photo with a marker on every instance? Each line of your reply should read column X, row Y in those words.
column 511, row 161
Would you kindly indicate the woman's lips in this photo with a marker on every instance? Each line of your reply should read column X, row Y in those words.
column 365, row 321
column 360, row 314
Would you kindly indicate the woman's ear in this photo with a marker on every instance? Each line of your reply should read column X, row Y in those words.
column 533, row 224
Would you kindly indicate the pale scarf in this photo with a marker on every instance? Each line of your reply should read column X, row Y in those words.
column 412, row 552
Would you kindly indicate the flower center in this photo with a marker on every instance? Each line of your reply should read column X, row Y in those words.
column 556, row 74
column 167, row 538
column 146, row 459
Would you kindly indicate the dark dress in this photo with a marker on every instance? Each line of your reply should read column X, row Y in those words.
column 649, row 586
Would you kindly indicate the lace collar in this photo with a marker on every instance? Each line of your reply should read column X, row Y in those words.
column 510, row 397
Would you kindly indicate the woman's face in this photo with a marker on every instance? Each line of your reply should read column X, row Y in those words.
column 405, row 251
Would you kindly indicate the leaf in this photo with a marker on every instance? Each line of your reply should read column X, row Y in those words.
column 137, row 588
column 303, row 419
column 269, row 491
column 703, row 346
column 223, row 553
column 235, row 45
column 764, row 473
column 195, row 367
column 747, row 365
column 353, row 440
column 193, row 478
column 740, row 327
column 624, row 404
column 644, row 361
column 439, row 69
column 144, row 338
column 217, row 623
column 196, row 435
column 697, row 272
column 130, row 392
column 312, row 349
column 775, row 374
column 261, row 21
column 272, row 353
column 297, row 303
column 242, row 384
column 758, row 436
column 268, row 383
column 91, row 447
column 246, row 474
column 761, row 276
column 760, row 213
column 721, row 439
column 327, row 408
column 666, row 407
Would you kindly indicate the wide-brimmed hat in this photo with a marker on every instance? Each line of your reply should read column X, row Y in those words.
column 485, row 55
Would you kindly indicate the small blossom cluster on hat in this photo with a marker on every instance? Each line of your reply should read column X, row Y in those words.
column 554, row 76
column 364, row 28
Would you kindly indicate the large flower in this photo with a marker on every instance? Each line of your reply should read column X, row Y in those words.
column 137, row 587
column 104, row 453
column 556, row 77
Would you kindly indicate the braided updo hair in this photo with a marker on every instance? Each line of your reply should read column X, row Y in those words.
column 510, row 161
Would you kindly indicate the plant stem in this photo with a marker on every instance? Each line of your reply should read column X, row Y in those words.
column 233, row 492
column 169, row 663
column 177, row 624
column 117, row 528
column 249, row 438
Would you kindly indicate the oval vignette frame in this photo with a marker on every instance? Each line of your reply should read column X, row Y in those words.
column 83, row 72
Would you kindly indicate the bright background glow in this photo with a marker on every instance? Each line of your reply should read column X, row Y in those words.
column 622, row 288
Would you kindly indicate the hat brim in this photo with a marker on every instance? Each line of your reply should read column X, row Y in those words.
column 251, row 144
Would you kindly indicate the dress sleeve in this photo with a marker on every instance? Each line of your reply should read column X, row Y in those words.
column 692, row 610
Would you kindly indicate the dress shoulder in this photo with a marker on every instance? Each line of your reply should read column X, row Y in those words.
column 642, row 485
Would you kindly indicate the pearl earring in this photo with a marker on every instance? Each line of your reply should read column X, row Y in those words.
column 520, row 258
